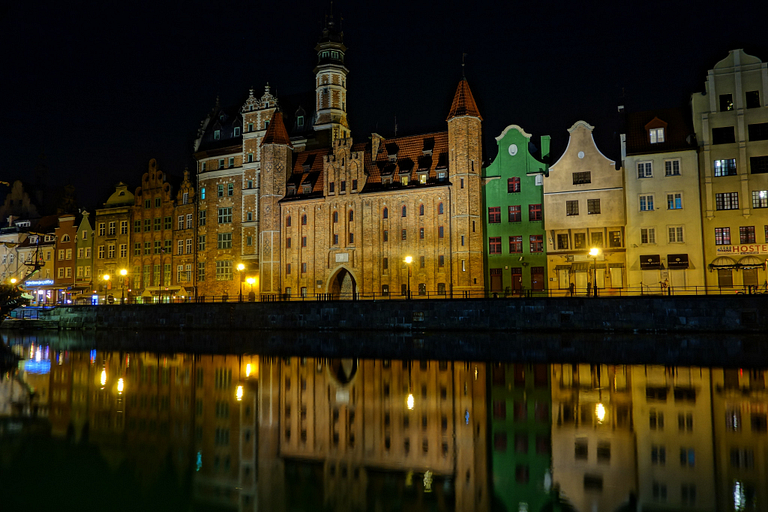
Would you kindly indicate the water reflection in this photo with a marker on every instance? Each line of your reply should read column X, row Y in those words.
column 250, row 432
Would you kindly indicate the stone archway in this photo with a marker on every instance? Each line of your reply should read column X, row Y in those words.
column 343, row 286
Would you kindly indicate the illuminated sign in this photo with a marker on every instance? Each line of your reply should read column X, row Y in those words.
column 743, row 249
column 37, row 367
column 39, row 282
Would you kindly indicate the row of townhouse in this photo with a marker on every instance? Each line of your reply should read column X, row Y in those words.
column 683, row 210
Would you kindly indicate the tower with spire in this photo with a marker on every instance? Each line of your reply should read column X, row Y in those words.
column 465, row 162
column 331, row 84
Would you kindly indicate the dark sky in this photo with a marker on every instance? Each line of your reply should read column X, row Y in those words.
column 100, row 88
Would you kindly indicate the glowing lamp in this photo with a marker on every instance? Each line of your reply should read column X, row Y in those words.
column 600, row 412
column 409, row 402
column 248, row 370
column 103, row 376
column 120, row 385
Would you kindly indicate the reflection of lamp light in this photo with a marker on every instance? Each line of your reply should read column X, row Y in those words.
column 248, row 370
column 239, row 393
column 120, row 385
column 409, row 401
column 408, row 260
column 594, row 252
column 103, row 377
column 600, row 412
column 240, row 268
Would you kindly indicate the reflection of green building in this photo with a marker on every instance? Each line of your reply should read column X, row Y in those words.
column 521, row 437
column 513, row 216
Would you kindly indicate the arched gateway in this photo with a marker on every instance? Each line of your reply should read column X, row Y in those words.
column 343, row 285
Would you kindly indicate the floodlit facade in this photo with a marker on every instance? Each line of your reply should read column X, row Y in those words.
column 731, row 122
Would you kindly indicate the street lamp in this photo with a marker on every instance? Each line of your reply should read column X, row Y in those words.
column 123, row 273
column 408, row 260
column 594, row 252
column 240, row 268
column 13, row 280
column 105, row 277
column 251, row 281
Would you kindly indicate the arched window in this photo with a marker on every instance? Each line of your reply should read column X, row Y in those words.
column 385, row 213
column 404, row 211
column 303, row 220
column 421, row 209
column 335, row 217
column 65, row 238
column 440, row 208
column 288, row 221
column 351, row 215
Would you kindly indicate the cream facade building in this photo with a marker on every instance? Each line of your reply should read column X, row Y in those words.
column 584, row 209
column 661, row 182
column 731, row 122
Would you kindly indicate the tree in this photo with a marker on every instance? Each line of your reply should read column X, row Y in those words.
column 10, row 299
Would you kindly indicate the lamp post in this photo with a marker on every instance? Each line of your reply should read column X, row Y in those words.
column 408, row 260
column 240, row 268
column 594, row 252
column 105, row 277
column 123, row 273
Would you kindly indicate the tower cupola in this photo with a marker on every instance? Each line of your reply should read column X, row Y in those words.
column 331, row 82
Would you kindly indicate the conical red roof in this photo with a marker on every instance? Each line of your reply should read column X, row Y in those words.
column 276, row 132
column 463, row 102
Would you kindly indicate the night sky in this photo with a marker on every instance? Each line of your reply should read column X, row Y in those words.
column 100, row 88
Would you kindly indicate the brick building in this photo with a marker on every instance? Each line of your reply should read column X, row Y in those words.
column 112, row 238
column 312, row 212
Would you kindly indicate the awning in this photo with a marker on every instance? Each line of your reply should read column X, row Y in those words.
column 748, row 262
column 615, row 265
column 581, row 266
column 650, row 262
column 677, row 261
column 562, row 267
column 723, row 262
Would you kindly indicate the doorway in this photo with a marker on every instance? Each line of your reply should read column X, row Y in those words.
column 343, row 286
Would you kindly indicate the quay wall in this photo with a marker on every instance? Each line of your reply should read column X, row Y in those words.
column 741, row 313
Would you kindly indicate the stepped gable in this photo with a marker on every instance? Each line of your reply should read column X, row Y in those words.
column 677, row 129
column 463, row 102
column 410, row 154
column 276, row 132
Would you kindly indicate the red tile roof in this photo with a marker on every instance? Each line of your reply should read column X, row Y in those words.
column 424, row 152
column 276, row 132
column 463, row 102
column 677, row 134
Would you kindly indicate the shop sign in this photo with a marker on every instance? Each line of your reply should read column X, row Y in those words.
column 742, row 249
column 40, row 282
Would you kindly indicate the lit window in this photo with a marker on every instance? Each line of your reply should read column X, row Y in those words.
column 656, row 135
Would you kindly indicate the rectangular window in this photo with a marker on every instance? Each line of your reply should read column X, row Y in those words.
column 201, row 218
column 675, row 201
column 137, row 226
column 753, row 99
column 354, row 182
column 112, row 228
column 180, row 224
column 534, row 212
column 614, row 238
column 167, row 222
column 101, row 253
column 287, row 268
column 562, row 241
column 102, row 229
column 747, row 234
column 537, row 243
column 494, row 215
column 352, row 237
column 656, row 135
column 758, row 164
column 440, row 232
column 645, row 170
column 727, row 201
column 675, row 234
column 515, row 244
column 201, row 243
column 303, row 268
column 385, row 263
column 223, row 270
column 158, row 202
column 722, row 236
column 158, row 223
column 220, row 187
column 137, row 249
column 646, row 203
column 724, row 135
column 385, row 235
column 760, row 199
column 231, row 186
column 303, row 241
column 189, row 246
column 579, row 240
column 123, row 227
column 580, row 178
column 422, row 259
column 147, row 225
column 494, row 245
column 441, row 261
column 726, row 102
column 147, row 248
column 593, row 206
column 231, row 163
column 758, row 131
column 404, row 235
column 725, row 167
column 515, row 214
column 647, row 235
column 571, row 208
column 513, row 185
column 189, row 221
column 167, row 246
column 672, row 167
column 225, row 215
column 158, row 247
column 597, row 239
column 147, row 204
column 343, row 186
column 224, row 241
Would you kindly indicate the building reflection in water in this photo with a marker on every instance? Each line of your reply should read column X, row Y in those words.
column 245, row 432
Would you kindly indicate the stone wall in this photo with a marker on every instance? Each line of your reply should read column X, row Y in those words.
column 611, row 314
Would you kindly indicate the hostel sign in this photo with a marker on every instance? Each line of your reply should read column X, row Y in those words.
column 743, row 249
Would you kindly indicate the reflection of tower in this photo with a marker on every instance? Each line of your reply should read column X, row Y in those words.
column 593, row 447
column 521, row 435
column 740, row 412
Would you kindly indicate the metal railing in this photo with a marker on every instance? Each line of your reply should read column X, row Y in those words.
column 584, row 292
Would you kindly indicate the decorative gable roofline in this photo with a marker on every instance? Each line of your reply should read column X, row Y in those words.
column 513, row 127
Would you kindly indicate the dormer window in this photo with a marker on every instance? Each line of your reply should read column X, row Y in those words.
column 237, row 131
column 423, row 178
column 393, row 158
column 441, row 175
column 291, row 190
column 306, row 189
column 404, row 179
column 216, row 134
column 656, row 135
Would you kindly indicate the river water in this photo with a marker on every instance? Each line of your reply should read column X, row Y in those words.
column 383, row 422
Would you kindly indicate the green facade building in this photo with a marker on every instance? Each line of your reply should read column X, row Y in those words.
column 515, row 257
